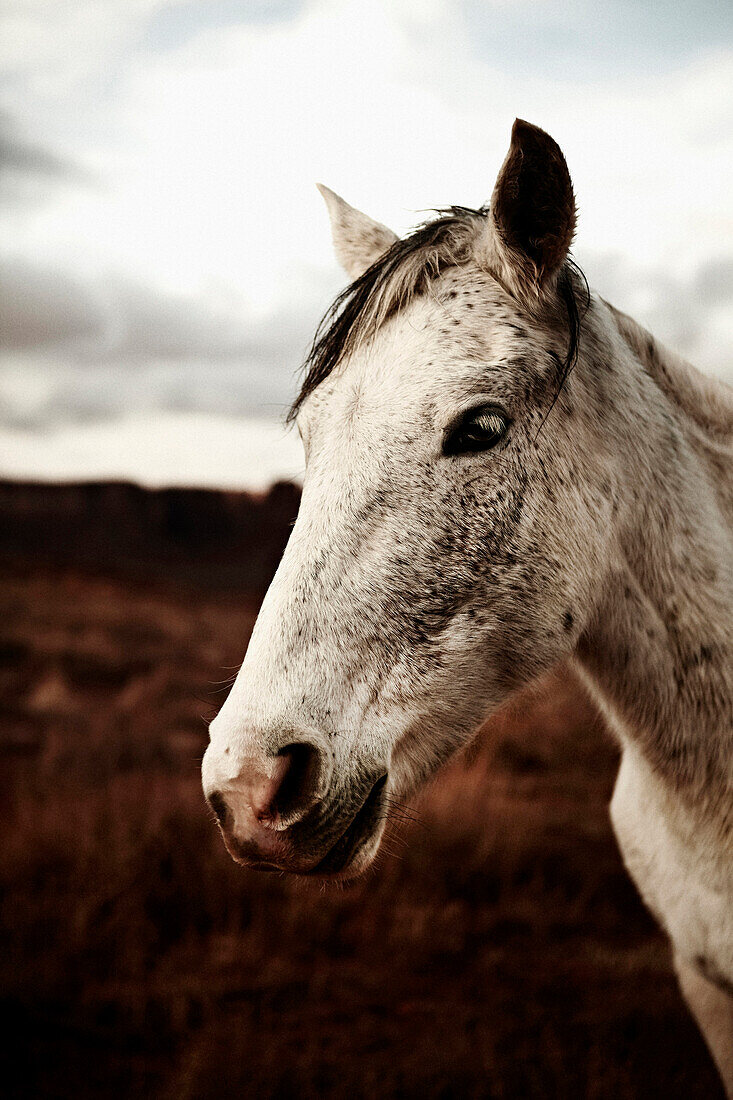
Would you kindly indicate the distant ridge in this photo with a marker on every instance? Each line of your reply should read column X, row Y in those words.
column 215, row 540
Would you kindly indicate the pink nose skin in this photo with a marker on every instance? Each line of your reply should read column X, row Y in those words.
column 264, row 790
column 255, row 810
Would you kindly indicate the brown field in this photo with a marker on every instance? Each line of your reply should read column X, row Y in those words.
column 497, row 949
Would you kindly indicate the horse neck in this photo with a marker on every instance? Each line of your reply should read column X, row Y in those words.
column 658, row 651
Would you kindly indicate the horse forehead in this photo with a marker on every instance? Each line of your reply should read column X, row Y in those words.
column 432, row 348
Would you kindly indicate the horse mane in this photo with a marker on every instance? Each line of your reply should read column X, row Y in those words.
column 401, row 273
column 708, row 402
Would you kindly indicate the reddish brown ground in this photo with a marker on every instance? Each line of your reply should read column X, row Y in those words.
column 497, row 950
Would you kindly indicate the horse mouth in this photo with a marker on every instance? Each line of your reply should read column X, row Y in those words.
column 356, row 835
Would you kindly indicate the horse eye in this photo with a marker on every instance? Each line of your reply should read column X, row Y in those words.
column 480, row 430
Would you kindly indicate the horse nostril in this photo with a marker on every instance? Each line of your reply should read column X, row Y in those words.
column 219, row 806
column 271, row 791
column 296, row 784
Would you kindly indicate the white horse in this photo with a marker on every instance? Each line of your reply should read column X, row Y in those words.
column 503, row 473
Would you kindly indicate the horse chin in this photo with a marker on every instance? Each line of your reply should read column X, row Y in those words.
column 355, row 866
column 354, row 850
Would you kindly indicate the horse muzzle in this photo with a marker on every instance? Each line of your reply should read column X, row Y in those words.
column 278, row 812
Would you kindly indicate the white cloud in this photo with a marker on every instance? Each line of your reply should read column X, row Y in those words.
column 185, row 449
column 52, row 48
column 218, row 143
column 74, row 349
column 206, row 154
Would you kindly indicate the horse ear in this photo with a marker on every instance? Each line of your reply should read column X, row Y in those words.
column 357, row 240
column 532, row 212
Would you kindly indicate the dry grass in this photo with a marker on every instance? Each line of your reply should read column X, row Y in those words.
column 498, row 951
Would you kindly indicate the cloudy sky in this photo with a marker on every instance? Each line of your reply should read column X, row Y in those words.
column 164, row 253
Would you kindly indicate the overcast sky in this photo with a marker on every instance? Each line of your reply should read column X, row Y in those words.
column 165, row 255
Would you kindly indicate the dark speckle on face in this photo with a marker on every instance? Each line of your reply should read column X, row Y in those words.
column 568, row 620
